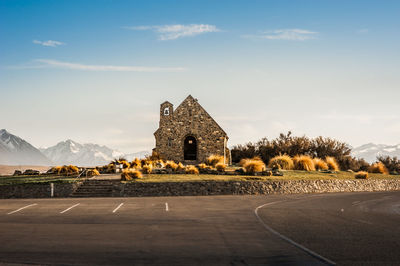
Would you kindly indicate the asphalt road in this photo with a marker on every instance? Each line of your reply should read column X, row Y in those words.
column 345, row 228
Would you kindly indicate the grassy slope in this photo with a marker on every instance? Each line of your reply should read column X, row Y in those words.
column 288, row 175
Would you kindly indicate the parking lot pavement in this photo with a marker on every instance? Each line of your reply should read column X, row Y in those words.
column 162, row 230
column 214, row 230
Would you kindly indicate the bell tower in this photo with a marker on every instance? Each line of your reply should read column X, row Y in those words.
column 166, row 112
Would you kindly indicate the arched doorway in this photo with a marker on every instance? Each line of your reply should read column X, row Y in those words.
column 190, row 148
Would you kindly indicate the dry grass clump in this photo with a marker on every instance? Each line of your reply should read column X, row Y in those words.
column 55, row 170
column 303, row 162
column 320, row 164
column 130, row 174
column 332, row 163
column 69, row 170
column 147, row 168
column 378, row 168
column 111, row 168
column 180, row 167
column 202, row 166
column 220, row 167
column 136, row 163
column 171, row 165
column 192, row 170
column 254, row 165
column 92, row 172
column 361, row 175
column 213, row 159
column 281, row 162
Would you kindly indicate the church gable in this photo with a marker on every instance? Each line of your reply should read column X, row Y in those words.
column 188, row 133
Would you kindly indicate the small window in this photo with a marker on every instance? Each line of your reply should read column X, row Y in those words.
column 166, row 111
column 169, row 142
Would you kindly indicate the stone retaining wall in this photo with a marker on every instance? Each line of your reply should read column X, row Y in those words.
column 252, row 187
column 61, row 190
column 139, row 189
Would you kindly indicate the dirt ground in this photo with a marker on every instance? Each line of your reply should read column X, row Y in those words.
column 9, row 169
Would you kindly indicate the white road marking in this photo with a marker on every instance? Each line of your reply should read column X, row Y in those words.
column 73, row 206
column 119, row 206
column 310, row 252
column 166, row 207
column 22, row 208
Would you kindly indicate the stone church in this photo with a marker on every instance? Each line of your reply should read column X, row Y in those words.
column 189, row 134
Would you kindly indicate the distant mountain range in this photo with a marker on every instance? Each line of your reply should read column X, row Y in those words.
column 370, row 151
column 16, row 151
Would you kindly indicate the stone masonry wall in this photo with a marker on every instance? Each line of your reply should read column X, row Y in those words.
column 189, row 119
column 37, row 190
column 137, row 189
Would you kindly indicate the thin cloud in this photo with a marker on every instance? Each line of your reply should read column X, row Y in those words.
column 285, row 34
column 173, row 32
column 363, row 31
column 49, row 43
column 48, row 63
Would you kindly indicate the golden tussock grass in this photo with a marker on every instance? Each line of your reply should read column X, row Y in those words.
column 180, row 167
column 69, row 170
column 378, row 168
column 136, row 163
column 254, row 165
column 92, row 172
column 171, row 165
column 303, row 162
column 320, row 164
column 147, row 168
column 332, row 163
column 130, row 174
column 214, row 159
column 192, row 170
column 281, row 162
column 361, row 175
column 220, row 167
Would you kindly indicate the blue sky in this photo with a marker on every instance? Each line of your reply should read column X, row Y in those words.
column 96, row 71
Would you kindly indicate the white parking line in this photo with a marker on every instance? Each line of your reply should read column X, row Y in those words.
column 22, row 208
column 73, row 206
column 119, row 206
column 166, row 207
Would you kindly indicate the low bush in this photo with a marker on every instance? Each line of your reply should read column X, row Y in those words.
column 391, row 163
column 171, row 165
column 192, row 170
column 220, row 167
column 378, row 168
column 214, row 159
column 130, row 174
column 92, row 172
column 303, row 162
column 281, row 162
column 147, row 168
column 361, row 175
column 320, row 164
column 254, row 165
column 332, row 163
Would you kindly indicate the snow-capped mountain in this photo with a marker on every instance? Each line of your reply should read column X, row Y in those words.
column 71, row 152
column 370, row 151
column 16, row 151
